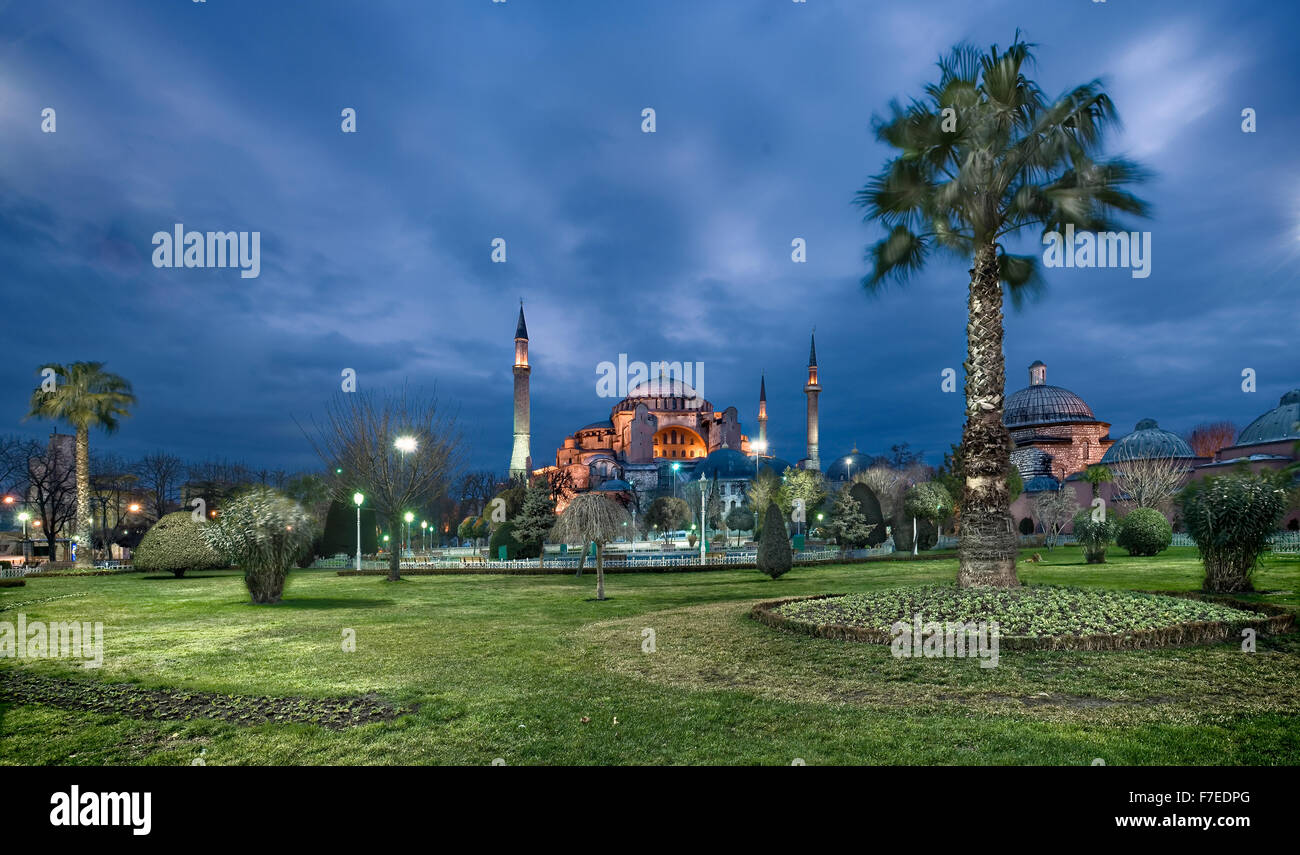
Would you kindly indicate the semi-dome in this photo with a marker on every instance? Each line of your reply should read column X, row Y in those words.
column 1279, row 424
column 1148, row 440
column 615, row 485
column 605, row 425
column 1041, row 404
column 846, row 466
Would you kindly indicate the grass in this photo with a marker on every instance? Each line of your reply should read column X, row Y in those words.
column 508, row 666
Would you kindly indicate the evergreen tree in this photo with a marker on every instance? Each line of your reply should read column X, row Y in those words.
column 535, row 519
column 848, row 525
column 774, row 555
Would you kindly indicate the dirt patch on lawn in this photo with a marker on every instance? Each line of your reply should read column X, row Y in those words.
column 17, row 687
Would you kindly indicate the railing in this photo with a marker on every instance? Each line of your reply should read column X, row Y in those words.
column 570, row 560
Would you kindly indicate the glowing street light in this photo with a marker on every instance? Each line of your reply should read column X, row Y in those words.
column 405, row 444
column 358, row 499
column 409, row 517
column 424, row 534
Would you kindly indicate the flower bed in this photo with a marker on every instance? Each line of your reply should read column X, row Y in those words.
column 1039, row 617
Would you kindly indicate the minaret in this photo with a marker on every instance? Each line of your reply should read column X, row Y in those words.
column 521, row 462
column 1037, row 374
column 762, row 412
column 812, row 389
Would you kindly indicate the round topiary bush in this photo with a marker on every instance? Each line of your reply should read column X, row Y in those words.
column 1145, row 531
column 175, row 544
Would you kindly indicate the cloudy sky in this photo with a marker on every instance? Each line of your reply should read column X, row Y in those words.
column 522, row 120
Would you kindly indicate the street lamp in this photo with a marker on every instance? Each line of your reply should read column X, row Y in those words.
column 405, row 444
column 424, row 535
column 703, row 529
column 409, row 517
column 24, row 516
column 357, row 499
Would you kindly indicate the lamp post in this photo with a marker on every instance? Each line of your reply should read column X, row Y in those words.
column 424, row 535
column 410, row 518
column 24, row 516
column 357, row 499
column 676, row 466
column 703, row 526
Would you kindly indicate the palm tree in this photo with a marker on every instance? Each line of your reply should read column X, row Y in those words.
column 85, row 396
column 591, row 518
column 983, row 156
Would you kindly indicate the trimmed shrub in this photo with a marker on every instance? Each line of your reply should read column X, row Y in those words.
column 1145, row 531
column 774, row 555
column 263, row 532
column 1231, row 518
column 175, row 545
column 1094, row 536
column 871, row 511
column 1027, row 526
column 504, row 535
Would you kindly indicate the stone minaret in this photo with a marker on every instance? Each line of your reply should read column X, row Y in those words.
column 812, row 389
column 1037, row 374
column 521, row 461
column 762, row 413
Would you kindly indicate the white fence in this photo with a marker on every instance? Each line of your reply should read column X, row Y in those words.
column 647, row 560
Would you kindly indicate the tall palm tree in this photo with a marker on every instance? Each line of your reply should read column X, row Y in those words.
column 983, row 156
column 85, row 396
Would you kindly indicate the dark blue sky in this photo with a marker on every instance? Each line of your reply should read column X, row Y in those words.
column 522, row 120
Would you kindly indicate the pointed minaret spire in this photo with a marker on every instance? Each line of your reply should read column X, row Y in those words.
column 812, row 389
column 521, row 462
column 762, row 412
column 521, row 328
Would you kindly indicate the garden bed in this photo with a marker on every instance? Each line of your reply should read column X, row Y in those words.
column 1039, row 617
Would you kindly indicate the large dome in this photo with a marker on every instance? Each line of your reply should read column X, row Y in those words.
column 1279, row 424
column 846, row 466
column 1148, row 440
column 728, row 463
column 1041, row 404
column 663, row 386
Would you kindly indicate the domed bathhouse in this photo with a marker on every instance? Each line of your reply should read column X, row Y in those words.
column 1150, row 441
column 1269, row 442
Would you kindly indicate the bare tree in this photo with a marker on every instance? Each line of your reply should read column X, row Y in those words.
column 52, row 490
column 13, row 465
column 1207, row 439
column 398, row 449
column 158, row 475
column 112, row 485
column 476, row 489
column 592, row 518
column 1053, row 509
column 1149, row 482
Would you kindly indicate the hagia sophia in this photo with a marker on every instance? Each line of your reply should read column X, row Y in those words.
column 663, row 432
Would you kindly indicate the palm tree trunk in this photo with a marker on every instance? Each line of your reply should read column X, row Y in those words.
column 582, row 558
column 600, row 571
column 85, row 523
column 987, row 550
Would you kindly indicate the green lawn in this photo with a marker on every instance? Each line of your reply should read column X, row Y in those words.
column 508, row 666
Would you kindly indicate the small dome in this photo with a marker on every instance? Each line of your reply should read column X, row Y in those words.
column 1148, row 440
column 615, row 485
column 1041, row 484
column 846, row 466
column 605, row 425
column 1279, row 424
column 1031, row 461
column 1041, row 404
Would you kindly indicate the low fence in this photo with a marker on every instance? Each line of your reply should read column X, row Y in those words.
column 628, row 561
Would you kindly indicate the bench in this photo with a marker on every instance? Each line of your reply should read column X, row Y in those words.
column 473, row 559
